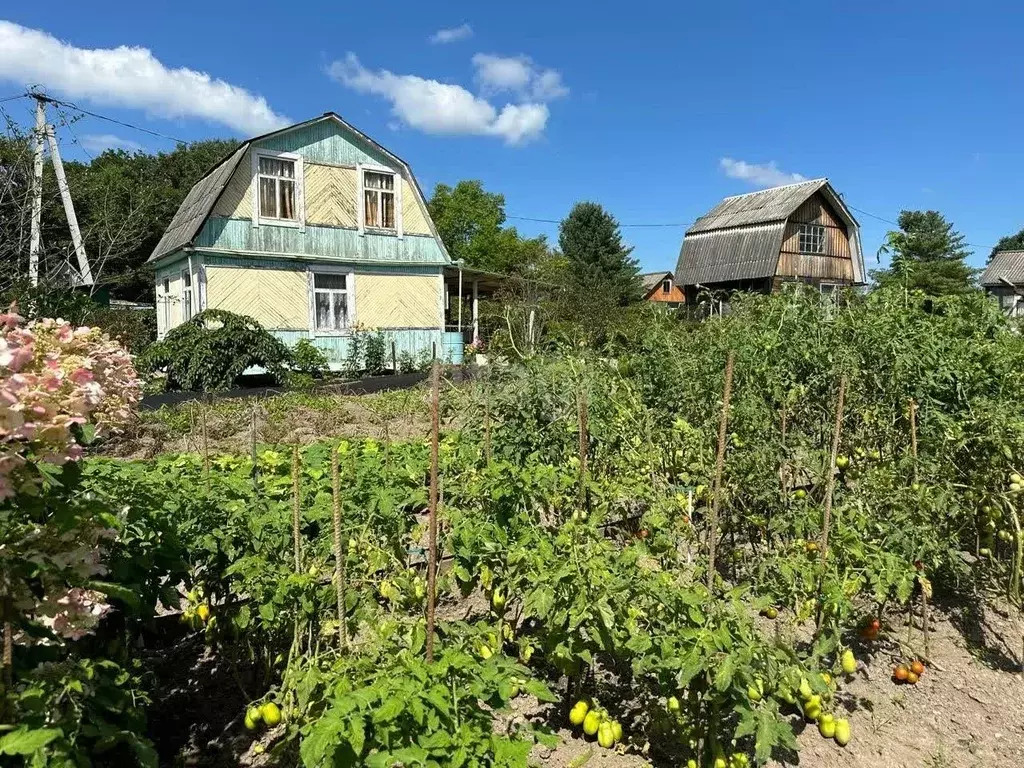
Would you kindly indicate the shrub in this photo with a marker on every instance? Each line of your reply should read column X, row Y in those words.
column 308, row 359
column 135, row 329
column 212, row 350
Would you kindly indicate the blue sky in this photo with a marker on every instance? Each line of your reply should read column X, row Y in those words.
column 655, row 110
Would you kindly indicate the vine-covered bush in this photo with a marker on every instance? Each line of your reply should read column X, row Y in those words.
column 213, row 349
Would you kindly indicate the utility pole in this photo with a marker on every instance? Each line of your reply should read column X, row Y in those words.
column 38, row 137
column 45, row 133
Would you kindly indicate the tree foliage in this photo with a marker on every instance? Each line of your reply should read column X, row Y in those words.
column 597, row 262
column 471, row 223
column 1013, row 242
column 927, row 254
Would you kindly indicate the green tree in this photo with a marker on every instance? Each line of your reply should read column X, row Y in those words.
column 471, row 223
column 927, row 254
column 1009, row 243
column 597, row 262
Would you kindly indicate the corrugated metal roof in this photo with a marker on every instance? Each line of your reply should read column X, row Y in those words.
column 197, row 206
column 651, row 279
column 1004, row 264
column 741, row 253
column 757, row 207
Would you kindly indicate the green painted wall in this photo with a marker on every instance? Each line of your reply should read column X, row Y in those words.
column 416, row 342
column 327, row 142
column 344, row 244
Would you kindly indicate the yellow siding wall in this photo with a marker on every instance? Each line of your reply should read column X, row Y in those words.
column 414, row 221
column 398, row 301
column 277, row 298
column 236, row 200
column 331, row 197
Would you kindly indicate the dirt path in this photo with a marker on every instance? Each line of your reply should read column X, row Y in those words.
column 966, row 712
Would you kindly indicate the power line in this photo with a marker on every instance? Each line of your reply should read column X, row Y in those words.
column 113, row 120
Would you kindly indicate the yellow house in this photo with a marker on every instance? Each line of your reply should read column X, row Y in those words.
column 313, row 230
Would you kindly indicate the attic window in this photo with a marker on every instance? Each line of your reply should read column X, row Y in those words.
column 812, row 238
column 378, row 200
column 666, row 285
column 277, row 189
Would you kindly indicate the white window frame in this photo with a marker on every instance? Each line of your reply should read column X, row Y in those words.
column 1008, row 301
column 666, row 285
column 299, row 221
column 810, row 235
column 350, row 293
column 187, row 307
column 362, row 169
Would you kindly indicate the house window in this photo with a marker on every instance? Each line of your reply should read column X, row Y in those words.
column 277, row 189
column 666, row 286
column 829, row 288
column 167, row 304
column 186, row 295
column 812, row 238
column 378, row 200
column 1008, row 300
column 330, row 301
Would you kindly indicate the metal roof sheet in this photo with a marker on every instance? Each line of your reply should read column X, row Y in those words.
column 196, row 206
column 1008, row 265
column 652, row 279
column 757, row 207
column 741, row 253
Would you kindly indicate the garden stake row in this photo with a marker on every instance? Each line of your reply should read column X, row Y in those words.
column 830, row 488
column 435, row 396
column 206, row 443
column 339, row 560
column 723, row 426
column 252, row 452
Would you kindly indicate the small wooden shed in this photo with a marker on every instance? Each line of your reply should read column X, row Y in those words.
column 661, row 288
column 761, row 240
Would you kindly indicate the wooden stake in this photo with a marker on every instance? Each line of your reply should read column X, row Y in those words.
column 339, row 559
column 830, row 487
column 913, row 435
column 295, row 509
column 206, row 441
column 394, row 359
column 584, row 440
column 924, row 618
column 716, row 500
column 435, row 428
column 8, row 654
column 487, row 422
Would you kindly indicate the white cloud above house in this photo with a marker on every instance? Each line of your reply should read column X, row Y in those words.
column 130, row 77
column 452, row 34
column 442, row 108
column 98, row 142
column 517, row 75
column 759, row 175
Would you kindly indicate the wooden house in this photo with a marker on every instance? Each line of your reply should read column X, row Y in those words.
column 661, row 288
column 1003, row 278
column 762, row 240
column 313, row 230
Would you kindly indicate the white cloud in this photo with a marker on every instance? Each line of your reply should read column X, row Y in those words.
column 518, row 75
column 97, row 142
column 452, row 34
column 441, row 108
column 129, row 77
column 768, row 175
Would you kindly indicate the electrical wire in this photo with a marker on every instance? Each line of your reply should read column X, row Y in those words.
column 122, row 123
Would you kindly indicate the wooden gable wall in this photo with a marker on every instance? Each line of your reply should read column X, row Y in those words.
column 835, row 264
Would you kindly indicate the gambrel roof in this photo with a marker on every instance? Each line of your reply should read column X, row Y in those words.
column 740, row 238
column 201, row 199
